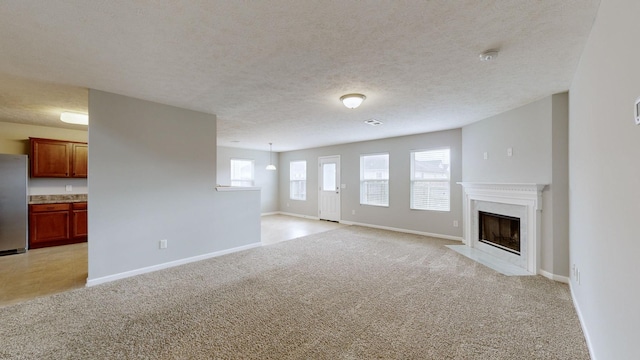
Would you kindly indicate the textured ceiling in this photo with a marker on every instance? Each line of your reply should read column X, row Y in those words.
column 272, row 71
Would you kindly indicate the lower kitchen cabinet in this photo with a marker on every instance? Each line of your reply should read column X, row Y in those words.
column 79, row 220
column 57, row 224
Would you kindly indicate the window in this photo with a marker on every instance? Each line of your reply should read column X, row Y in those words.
column 374, row 180
column 430, row 180
column 298, row 180
column 329, row 177
column 241, row 172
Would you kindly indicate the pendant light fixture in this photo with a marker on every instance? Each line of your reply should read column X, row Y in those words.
column 270, row 166
column 352, row 101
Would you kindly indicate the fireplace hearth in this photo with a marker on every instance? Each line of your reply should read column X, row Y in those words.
column 500, row 231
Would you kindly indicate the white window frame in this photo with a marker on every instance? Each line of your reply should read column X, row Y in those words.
column 297, row 182
column 379, row 179
column 240, row 181
column 434, row 183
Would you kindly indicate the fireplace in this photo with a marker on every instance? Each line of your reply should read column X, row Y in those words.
column 500, row 231
column 504, row 221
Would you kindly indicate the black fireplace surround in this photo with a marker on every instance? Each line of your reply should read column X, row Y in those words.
column 500, row 231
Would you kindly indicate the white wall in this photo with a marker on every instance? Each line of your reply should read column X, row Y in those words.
column 537, row 135
column 14, row 139
column 527, row 130
column 558, row 216
column 152, row 176
column 397, row 215
column 604, row 174
column 266, row 180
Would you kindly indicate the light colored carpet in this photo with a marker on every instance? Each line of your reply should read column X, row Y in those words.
column 350, row 293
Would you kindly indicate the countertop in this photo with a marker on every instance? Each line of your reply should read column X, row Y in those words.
column 52, row 199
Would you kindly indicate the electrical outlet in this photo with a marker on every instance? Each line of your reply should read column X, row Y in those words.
column 486, row 155
column 353, row 212
column 455, row 223
column 163, row 244
column 509, row 151
column 68, row 188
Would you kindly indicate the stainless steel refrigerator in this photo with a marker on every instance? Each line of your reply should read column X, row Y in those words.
column 13, row 203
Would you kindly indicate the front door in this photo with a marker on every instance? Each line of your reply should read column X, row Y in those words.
column 329, row 181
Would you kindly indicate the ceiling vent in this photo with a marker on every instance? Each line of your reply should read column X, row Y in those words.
column 489, row 55
column 373, row 122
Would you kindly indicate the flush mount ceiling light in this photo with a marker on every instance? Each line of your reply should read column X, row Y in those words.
column 270, row 166
column 489, row 55
column 352, row 101
column 75, row 118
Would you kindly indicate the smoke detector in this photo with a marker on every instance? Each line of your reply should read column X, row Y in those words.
column 489, row 55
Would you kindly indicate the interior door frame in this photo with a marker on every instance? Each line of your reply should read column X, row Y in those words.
column 338, row 185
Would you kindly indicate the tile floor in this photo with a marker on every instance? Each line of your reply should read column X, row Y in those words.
column 42, row 272
column 51, row 270
column 490, row 261
column 277, row 228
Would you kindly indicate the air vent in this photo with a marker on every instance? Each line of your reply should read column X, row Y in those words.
column 373, row 122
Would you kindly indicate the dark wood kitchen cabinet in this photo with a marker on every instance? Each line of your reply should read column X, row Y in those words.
column 79, row 220
column 57, row 224
column 79, row 157
column 58, row 158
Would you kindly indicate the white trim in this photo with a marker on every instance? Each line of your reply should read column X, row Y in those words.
column 440, row 236
column 237, row 188
column 501, row 187
column 148, row 269
column 298, row 215
column 554, row 277
column 582, row 323
column 270, row 213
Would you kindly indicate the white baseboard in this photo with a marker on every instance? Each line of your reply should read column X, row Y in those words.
column 126, row 274
column 582, row 324
column 440, row 236
column 554, row 277
column 298, row 215
column 270, row 213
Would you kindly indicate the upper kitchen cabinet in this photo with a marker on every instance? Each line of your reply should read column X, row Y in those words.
column 57, row 158
column 79, row 156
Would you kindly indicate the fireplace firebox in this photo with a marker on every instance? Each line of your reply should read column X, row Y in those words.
column 500, row 231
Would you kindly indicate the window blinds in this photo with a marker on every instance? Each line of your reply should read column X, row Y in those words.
column 430, row 180
column 374, row 179
column 298, row 180
column 241, row 172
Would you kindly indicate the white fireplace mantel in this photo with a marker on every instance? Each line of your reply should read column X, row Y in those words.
column 526, row 196
column 514, row 191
